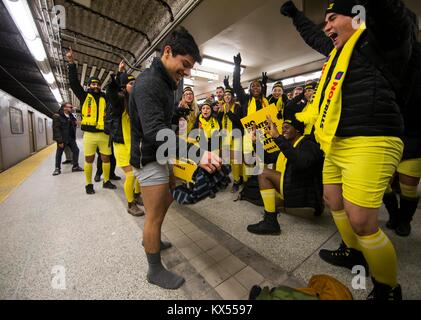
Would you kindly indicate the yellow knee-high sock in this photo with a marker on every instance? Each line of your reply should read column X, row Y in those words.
column 137, row 186
column 269, row 200
column 409, row 191
column 244, row 173
column 88, row 172
column 381, row 257
column 128, row 186
column 106, row 168
column 345, row 229
column 236, row 172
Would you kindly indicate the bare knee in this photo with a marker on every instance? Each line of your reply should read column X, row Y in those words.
column 363, row 226
column 105, row 159
column 333, row 202
column 364, row 221
column 90, row 159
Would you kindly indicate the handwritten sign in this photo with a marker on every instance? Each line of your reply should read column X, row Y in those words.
column 259, row 119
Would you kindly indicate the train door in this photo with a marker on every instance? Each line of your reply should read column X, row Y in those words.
column 32, row 140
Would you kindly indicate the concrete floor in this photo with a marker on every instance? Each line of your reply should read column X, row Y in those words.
column 49, row 223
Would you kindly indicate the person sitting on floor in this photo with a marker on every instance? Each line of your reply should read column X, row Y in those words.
column 297, row 177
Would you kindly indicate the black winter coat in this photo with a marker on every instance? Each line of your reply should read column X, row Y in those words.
column 369, row 102
column 151, row 110
column 303, row 186
column 64, row 128
column 117, row 102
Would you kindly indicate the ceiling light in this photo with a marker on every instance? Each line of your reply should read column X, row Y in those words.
column 22, row 16
column 20, row 13
column 188, row 82
column 204, row 74
column 57, row 95
column 49, row 77
column 219, row 65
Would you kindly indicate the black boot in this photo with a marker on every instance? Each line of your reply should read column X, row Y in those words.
column 391, row 203
column 269, row 225
column 408, row 208
column 385, row 292
column 344, row 257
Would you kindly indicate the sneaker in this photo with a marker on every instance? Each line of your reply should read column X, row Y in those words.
column 109, row 185
column 97, row 178
column 90, row 189
column 134, row 210
column 57, row 172
column 67, row 162
column 385, row 292
column 344, row 257
column 268, row 226
column 115, row 178
column 77, row 169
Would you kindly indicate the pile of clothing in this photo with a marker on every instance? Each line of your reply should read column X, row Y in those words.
column 204, row 185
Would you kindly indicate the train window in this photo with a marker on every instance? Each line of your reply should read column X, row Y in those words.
column 40, row 125
column 16, row 120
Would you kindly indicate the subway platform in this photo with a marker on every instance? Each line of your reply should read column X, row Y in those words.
column 56, row 242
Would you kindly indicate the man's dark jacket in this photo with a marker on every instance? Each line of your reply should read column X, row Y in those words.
column 64, row 128
column 303, row 186
column 151, row 110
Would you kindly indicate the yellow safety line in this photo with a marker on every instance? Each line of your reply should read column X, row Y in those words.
column 13, row 177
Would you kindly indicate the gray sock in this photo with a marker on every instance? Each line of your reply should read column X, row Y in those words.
column 164, row 245
column 158, row 275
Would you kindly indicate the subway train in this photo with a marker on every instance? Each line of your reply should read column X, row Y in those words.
column 23, row 131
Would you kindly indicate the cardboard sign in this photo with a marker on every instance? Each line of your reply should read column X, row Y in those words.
column 259, row 119
column 184, row 170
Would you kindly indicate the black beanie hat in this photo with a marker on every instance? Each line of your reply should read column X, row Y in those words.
column 278, row 84
column 292, row 120
column 343, row 7
column 310, row 86
column 125, row 79
column 93, row 80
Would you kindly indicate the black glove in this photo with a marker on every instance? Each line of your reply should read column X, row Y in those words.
column 264, row 78
column 227, row 82
column 114, row 85
column 289, row 9
column 237, row 59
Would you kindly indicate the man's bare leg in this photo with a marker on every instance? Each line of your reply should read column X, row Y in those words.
column 375, row 245
column 157, row 200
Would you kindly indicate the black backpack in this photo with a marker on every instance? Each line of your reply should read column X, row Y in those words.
column 251, row 192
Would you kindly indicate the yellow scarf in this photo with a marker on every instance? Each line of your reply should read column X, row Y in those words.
column 252, row 107
column 326, row 118
column 226, row 121
column 279, row 103
column 191, row 119
column 91, row 114
column 208, row 126
column 281, row 165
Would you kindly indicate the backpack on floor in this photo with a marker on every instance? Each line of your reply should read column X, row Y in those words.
column 251, row 192
column 320, row 287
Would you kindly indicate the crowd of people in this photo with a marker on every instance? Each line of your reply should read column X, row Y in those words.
column 340, row 141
